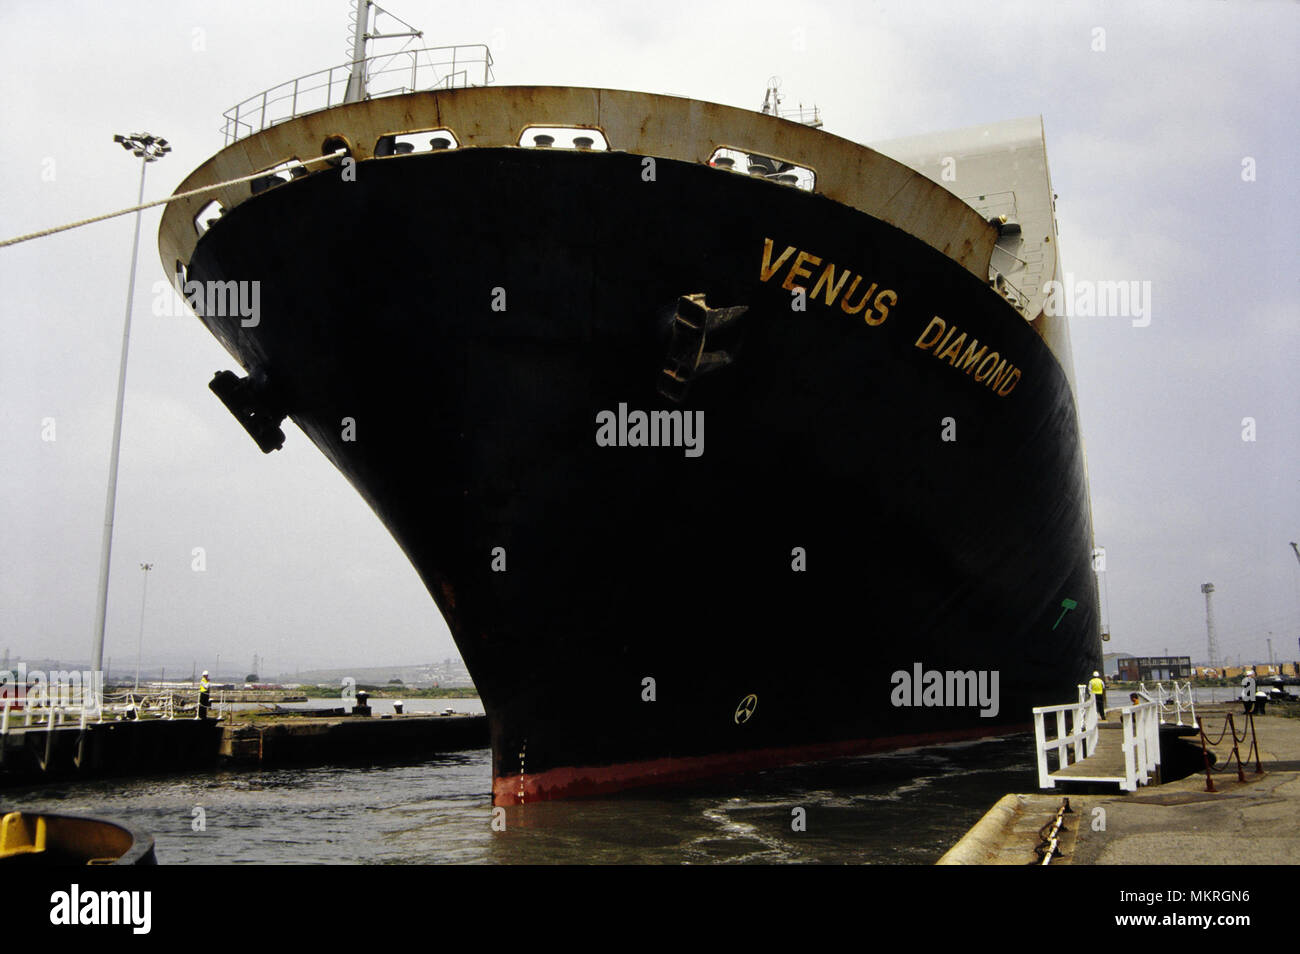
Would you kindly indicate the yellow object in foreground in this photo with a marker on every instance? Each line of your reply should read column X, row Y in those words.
column 21, row 834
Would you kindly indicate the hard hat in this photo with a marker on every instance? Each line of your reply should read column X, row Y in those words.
column 205, row 672
column 1095, row 673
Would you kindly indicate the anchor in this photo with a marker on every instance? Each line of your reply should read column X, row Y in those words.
column 693, row 322
column 254, row 405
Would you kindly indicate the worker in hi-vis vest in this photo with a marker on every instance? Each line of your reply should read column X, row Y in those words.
column 1248, row 691
column 205, row 688
column 1098, row 689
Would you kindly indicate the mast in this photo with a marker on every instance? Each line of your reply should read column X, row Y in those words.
column 810, row 116
column 772, row 98
column 356, row 90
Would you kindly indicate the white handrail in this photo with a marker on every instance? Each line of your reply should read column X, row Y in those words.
column 44, row 711
column 442, row 67
column 1183, row 700
column 1082, row 735
column 1141, row 726
column 51, row 714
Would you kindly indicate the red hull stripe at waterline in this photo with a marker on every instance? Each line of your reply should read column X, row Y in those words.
column 584, row 781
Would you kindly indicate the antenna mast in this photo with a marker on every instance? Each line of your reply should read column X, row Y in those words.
column 356, row 90
column 357, row 80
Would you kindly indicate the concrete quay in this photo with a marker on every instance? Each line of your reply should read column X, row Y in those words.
column 324, row 741
column 1176, row 823
column 35, row 754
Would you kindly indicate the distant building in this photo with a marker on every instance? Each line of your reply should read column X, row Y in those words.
column 1154, row 668
column 1110, row 664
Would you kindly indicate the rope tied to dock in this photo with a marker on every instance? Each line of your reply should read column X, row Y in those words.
column 148, row 205
column 1049, row 845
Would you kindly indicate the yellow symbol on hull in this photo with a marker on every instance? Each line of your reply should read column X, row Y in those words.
column 745, row 711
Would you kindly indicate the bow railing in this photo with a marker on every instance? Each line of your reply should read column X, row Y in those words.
column 387, row 74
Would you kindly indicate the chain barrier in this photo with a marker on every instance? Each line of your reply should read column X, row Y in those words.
column 1229, row 725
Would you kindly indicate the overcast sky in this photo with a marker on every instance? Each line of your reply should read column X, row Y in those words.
column 1146, row 140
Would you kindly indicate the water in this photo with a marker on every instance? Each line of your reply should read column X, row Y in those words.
column 1233, row 693
column 900, row 808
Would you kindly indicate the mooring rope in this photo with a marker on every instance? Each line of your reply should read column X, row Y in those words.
column 149, row 205
column 1049, row 835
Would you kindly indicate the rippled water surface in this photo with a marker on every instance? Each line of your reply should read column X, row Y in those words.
column 901, row 808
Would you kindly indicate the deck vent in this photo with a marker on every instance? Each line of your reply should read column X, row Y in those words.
column 435, row 139
column 582, row 138
column 772, row 168
column 276, row 175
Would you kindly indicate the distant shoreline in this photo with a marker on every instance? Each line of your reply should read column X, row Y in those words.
column 388, row 691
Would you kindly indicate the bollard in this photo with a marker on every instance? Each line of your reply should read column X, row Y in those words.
column 361, row 707
column 80, row 758
column 397, row 706
column 49, row 744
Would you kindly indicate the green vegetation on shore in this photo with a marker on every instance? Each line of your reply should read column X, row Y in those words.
column 335, row 691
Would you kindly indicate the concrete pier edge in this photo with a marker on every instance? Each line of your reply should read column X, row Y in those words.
column 34, row 754
column 988, row 836
column 1176, row 823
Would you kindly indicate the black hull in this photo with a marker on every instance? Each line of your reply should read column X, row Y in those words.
column 475, row 429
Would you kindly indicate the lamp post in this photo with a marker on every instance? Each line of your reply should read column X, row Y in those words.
column 139, row 646
column 149, row 149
